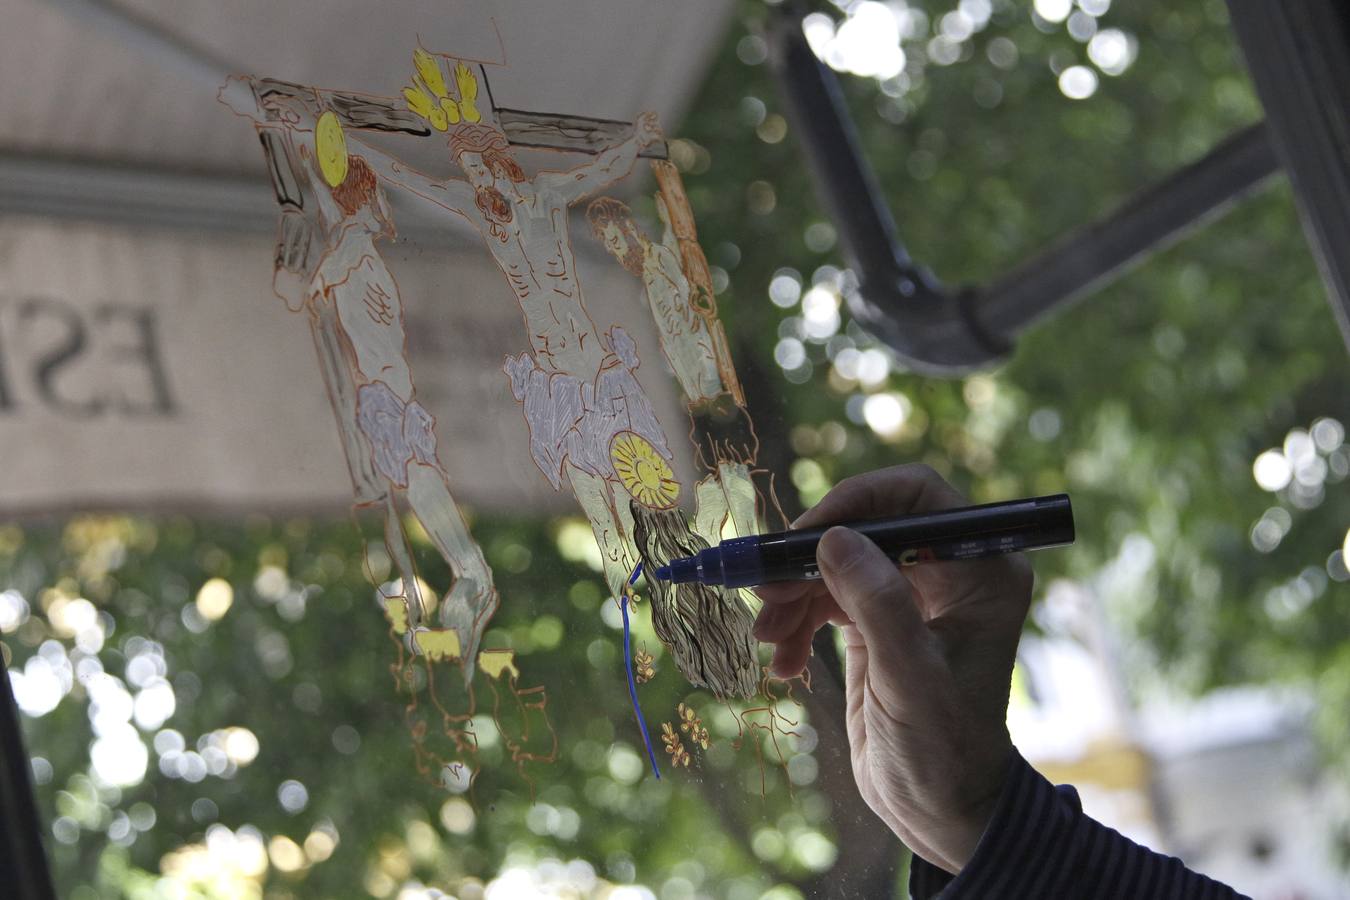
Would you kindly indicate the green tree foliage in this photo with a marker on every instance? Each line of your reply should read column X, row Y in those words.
column 1149, row 402
column 301, row 660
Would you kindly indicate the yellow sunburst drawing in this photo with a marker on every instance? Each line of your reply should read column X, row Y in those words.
column 645, row 474
column 429, row 97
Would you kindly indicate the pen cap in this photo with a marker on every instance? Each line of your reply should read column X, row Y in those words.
column 1055, row 515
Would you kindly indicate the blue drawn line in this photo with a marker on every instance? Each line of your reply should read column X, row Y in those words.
column 632, row 684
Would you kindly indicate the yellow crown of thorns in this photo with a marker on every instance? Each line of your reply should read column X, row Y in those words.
column 429, row 98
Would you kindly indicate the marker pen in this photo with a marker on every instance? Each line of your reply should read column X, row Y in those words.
column 969, row 532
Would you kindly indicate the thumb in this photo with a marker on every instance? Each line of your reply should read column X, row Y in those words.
column 870, row 590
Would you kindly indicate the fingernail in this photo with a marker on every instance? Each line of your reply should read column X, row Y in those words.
column 838, row 548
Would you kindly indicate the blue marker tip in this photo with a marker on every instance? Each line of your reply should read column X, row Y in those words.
column 663, row 573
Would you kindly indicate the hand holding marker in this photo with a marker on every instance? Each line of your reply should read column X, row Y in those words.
column 966, row 533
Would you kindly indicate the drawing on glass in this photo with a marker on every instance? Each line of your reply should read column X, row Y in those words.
column 591, row 428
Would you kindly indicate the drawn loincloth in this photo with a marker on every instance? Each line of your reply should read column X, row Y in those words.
column 398, row 432
column 574, row 421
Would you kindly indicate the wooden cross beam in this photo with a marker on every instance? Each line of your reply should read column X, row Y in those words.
column 369, row 112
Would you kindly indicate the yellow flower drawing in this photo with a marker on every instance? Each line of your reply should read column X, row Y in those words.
column 643, row 668
column 430, row 99
column 643, row 471
column 691, row 723
column 674, row 746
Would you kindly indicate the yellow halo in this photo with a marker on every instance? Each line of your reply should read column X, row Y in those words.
column 331, row 146
column 642, row 471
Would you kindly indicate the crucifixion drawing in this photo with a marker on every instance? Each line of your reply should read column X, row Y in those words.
column 591, row 427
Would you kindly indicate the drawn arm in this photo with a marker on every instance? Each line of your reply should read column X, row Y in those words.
column 294, row 260
column 609, row 165
column 668, row 265
column 297, row 247
column 668, row 237
column 452, row 194
column 384, row 213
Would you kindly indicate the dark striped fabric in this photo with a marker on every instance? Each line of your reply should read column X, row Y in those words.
column 1040, row 844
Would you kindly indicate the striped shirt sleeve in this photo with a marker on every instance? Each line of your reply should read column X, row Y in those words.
column 1040, row 844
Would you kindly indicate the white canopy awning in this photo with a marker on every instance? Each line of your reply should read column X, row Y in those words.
column 134, row 81
column 136, row 226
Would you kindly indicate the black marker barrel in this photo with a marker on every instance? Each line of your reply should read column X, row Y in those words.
column 969, row 532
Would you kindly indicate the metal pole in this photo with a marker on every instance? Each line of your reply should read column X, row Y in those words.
column 1299, row 57
column 943, row 332
column 897, row 300
column 1148, row 222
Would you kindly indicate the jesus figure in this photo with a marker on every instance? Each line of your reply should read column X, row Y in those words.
column 581, row 400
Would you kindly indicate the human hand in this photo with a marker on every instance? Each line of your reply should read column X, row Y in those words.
column 930, row 651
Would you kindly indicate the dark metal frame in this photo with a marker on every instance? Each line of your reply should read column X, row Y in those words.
column 1297, row 55
column 24, row 874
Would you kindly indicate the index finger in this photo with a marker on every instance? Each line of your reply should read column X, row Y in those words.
column 782, row 592
column 886, row 492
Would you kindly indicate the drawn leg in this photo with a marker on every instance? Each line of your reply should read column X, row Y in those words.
column 522, row 717
column 396, row 542
column 472, row 599
column 612, row 533
column 730, row 494
column 710, row 509
column 739, row 490
column 337, row 378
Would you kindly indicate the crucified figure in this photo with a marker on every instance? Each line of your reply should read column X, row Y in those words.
column 590, row 423
column 328, row 265
column 690, row 341
column 576, row 384
column 589, row 420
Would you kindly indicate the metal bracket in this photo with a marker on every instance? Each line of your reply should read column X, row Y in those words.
column 939, row 331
